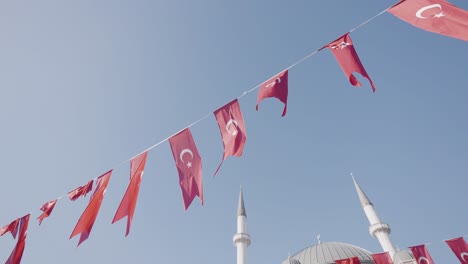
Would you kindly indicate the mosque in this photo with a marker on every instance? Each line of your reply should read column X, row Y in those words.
column 329, row 252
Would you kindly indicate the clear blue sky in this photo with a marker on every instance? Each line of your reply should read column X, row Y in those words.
column 88, row 84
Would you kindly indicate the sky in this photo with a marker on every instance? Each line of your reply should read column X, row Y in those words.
column 86, row 85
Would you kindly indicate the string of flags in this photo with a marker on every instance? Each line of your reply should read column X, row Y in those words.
column 458, row 246
column 437, row 16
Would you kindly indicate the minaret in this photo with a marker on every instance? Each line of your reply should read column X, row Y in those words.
column 377, row 228
column 241, row 239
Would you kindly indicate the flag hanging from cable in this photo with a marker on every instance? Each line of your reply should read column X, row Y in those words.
column 89, row 215
column 344, row 52
column 437, row 16
column 128, row 204
column 189, row 166
column 232, row 127
column 275, row 87
column 47, row 210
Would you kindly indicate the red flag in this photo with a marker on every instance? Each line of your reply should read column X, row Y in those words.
column 17, row 253
column 353, row 260
column 11, row 227
column 459, row 247
column 47, row 210
column 232, row 127
column 128, row 203
column 275, row 87
column 87, row 218
column 80, row 191
column 347, row 57
column 382, row 258
column 189, row 166
column 421, row 254
column 437, row 16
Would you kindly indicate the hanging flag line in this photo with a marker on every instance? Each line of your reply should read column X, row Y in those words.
column 239, row 97
column 255, row 87
column 277, row 86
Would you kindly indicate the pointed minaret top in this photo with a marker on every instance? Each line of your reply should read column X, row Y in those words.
column 362, row 196
column 240, row 206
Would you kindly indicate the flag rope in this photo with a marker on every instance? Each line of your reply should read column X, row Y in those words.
column 255, row 87
column 239, row 97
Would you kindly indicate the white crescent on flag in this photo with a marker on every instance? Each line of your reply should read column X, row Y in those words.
column 463, row 255
column 419, row 13
column 421, row 259
column 228, row 125
column 181, row 156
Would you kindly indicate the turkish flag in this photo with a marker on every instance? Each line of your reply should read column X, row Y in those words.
column 347, row 57
column 80, row 191
column 232, row 128
column 275, row 87
column 11, row 227
column 87, row 218
column 128, row 203
column 353, row 260
column 437, row 16
column 47, row 210
column 189, row 166
column 421, row 254
column 459, row 247
column 382, row 258
column 17, row 253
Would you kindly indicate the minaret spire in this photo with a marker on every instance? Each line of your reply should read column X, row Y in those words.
column 377, row 228
column 240, row 206
column 241, row 240
column 362, row 196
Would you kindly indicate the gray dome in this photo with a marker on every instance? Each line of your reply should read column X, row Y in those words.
column 328, row 252
column 291, row 261
column 403, row 256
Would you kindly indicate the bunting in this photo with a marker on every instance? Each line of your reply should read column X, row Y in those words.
column 128, row 204
column 275, row 87
column 47, row 210
column 86, row 221
column 80, row 191
column 344, row 52
column 189, row 166
column 232, row 128
column 382, row 258
column 459, row 248
column 19, row 225
column 421, row 254
column 437, row 16
column 353, row 260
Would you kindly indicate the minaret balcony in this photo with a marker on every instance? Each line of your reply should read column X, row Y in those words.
column 379, row 227
column 241, row 238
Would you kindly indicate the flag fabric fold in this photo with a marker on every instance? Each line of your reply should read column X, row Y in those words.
column 353, row 260
column 128, row 204
column 459, row 247
column 232, row 127
column 87, row 218
column 421, row 254
column 189, row 166
column 20, row 226
column 47, row 210
column 437, row 16
column 80, row 191
column 344, row 52
column 11, row 227
column 275, row 87
column 382, row 258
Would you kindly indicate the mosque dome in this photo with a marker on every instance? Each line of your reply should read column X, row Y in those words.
column 328, row 252
column 403, row 256
column 292, row 261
